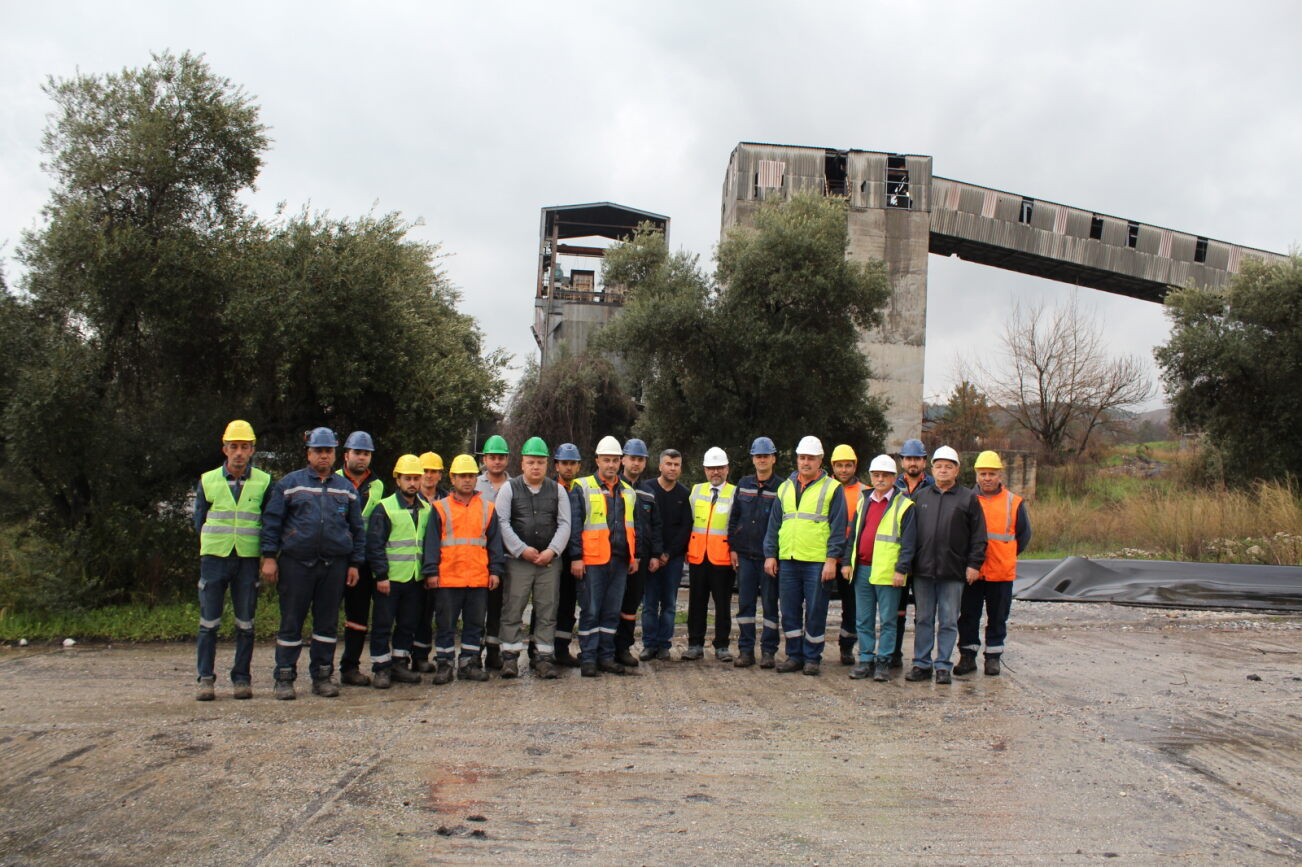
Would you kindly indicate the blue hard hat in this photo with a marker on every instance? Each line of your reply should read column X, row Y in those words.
column 913, row 449
column 567, row 452
column 360, row 440
column 322, row 438
column 763, row 446
column 635, row 448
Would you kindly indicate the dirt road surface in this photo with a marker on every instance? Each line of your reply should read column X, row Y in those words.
column 1114, row 734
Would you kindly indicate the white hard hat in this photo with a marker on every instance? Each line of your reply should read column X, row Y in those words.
column 883, row 464
column 609, row 446
column 810, row 446
column 945, row 453
column 715, row 457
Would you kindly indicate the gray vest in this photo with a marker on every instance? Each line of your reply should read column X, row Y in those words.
column 533, row 516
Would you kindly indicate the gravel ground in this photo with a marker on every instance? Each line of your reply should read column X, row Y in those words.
column 1114, row 733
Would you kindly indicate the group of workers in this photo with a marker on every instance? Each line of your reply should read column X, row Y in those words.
column 440, row 580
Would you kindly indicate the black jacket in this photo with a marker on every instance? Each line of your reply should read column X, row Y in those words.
column 675, row 508
column 951, row 533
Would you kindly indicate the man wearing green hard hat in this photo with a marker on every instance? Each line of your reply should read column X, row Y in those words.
column 533, row 517
column 496, row 455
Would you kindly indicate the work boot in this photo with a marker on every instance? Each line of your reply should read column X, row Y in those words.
column 564, row 658
column 847, row 654
column 442, row 673
column 992, row 666
column 881, row 672
column 611, row 666
column 284, row 690
column 510, row 666
column 789, row 664
column 664, row 655
column 382, row 678
column 723, row 654
column 966, row 662
column 473, row 671
column 943, row 676
column 424, row 666
column 205, row 691
column 544, row 668
column 861, row 671
column 493, row 658
column 745, row 659
column 767, row 660
column 400, row 673
column 589, row 669
column 811, row 669
column 353, row 677
column 918, row 673
column 897, row 660
column 325, row 686
column 647, row 654
column 241, row 689
column 693, row 653
column 625, row 657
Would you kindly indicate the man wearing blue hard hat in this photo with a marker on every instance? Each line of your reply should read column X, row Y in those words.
column 313, row 541
column 566, row 461
column 646, row 517
column 747, row 524
column 361, row 596
column 913, row 459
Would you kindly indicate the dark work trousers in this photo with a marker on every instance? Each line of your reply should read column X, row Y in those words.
column 567, row 601
column 849, row 620
column 634, row 587
column 403, row 607
column 216, row 574
column 754, row 584
column 707, row 581
column 996, row 597
column 360, row 601
column 318, row 586
column 493, row 617
column 600, row 592
column 469, row 605
column 906, row 599
column 423, row 642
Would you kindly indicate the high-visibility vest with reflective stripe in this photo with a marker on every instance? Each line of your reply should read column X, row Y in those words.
column 854, row 492
column 886, row 541
column 229, row 526
column 1001, row 535
column 710, row 524
column 374, row 493
column 596, row 532
column 805, row 528
column 403, row 547
column 463, row 547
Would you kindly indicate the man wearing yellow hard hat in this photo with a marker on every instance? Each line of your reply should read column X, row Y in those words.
column 228, row 516
column 845, row 469
column 1008, row 530
column 430, row 491
column 431, row 466
column 395, row 536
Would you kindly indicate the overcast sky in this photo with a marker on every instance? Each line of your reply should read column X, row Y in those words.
column 471, row 117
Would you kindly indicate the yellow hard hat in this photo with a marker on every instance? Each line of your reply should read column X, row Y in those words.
column 988, row 460
column 844, row 453
column 408, row 465
column 239, row 431
column 464, row 465
column 431, row 461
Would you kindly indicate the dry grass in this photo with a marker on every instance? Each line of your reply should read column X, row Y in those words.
column 1260, row 525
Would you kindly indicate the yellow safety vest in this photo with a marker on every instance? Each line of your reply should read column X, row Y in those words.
column 805, row 528
column 229, row 526
column 886, row 541
column 403, row 547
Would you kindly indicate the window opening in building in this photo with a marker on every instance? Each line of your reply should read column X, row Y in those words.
column 1132, row 234
column 1200, row 250
column 834, row 174
column 1028, row 206
column 897, row 183
column 1096, row 228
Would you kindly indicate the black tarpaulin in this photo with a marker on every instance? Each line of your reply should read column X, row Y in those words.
column 1161, row 583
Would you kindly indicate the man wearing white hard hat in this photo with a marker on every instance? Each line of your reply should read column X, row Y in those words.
column 805, row 539
column 951, row 551
column 881, row 554
column 710, row 559
column 603, row 550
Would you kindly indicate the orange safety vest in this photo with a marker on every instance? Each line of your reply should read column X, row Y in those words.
column 1001, row 532
column 596, row 532
column 710, row 525
column 463, row 557
column 853, row 492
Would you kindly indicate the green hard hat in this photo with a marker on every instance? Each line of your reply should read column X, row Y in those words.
column 536, row 447
column 496, row 445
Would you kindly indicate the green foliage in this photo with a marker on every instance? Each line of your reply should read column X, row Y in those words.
column 155, row 309
column 1234, row 363
column 771, row 349
column 577, row 399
